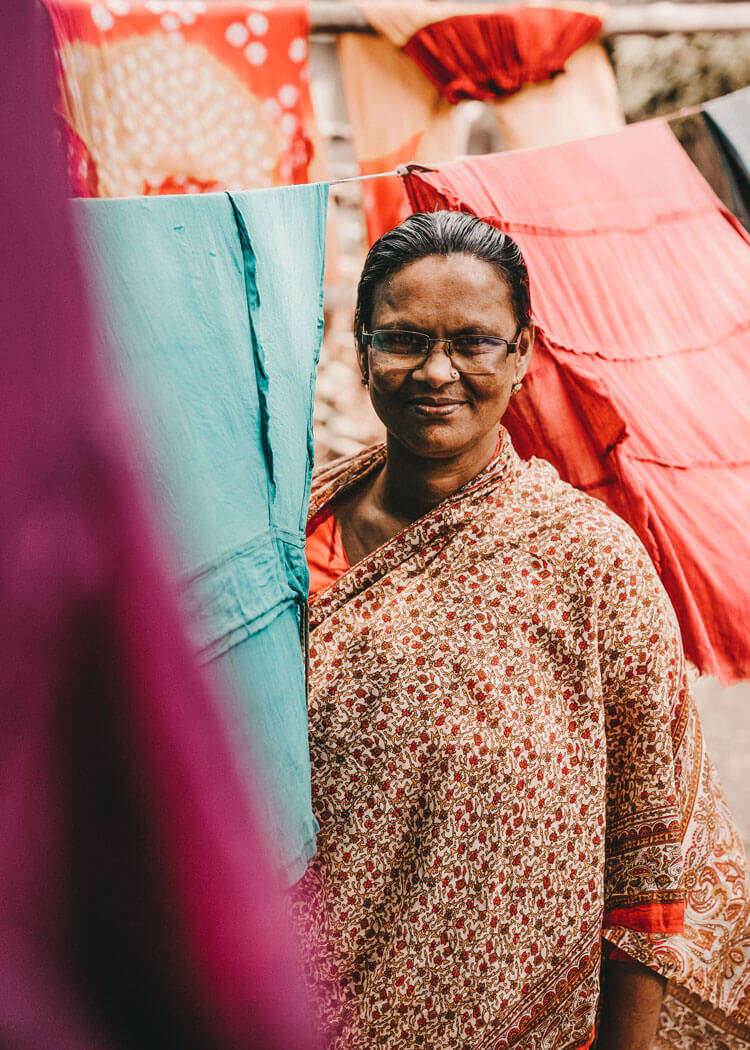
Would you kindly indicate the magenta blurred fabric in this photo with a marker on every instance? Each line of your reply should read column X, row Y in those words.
column 136, row 909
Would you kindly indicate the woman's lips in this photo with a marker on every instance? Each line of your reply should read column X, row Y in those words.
column 435, row 409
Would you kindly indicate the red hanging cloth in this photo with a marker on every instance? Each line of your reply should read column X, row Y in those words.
column 489, row 56
column 639, row 389
column 137, row 906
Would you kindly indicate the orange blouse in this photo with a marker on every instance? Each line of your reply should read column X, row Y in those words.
column 324, row 547
column 326, row 557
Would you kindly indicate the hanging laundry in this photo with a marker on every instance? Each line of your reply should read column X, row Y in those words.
column 214, row 305
column 396, row 116
column 551, row 83
column 183, row 97
column 468, row 51
column 580, row 103
column 728, row 119
column 639, row 390
column 488, row 56
column 137, row 906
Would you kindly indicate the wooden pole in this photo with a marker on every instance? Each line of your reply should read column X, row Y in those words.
column 338, row 16
column 661, row 18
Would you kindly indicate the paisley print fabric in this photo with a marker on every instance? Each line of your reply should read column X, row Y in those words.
column 506, row 764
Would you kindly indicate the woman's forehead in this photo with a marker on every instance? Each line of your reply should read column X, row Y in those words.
column 460, row 286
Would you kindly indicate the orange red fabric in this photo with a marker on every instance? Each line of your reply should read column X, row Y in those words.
column 654, row 917
column 183, row 97
column 639, row 390
column 489, row 56
column 326, row 557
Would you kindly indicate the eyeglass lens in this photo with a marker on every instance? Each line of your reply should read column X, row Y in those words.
column 471, row 354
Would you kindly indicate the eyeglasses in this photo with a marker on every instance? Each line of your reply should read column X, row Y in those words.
column 475, row 355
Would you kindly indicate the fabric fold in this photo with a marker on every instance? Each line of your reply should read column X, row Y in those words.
column 489, row 56
column 261, row 373
column 639, row 287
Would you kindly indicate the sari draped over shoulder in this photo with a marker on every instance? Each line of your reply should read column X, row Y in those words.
column 508, row 768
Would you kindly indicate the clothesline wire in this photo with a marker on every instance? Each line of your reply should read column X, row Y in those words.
column 403, row 169
column 361, row 178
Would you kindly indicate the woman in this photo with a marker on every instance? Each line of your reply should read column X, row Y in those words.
column 507, row 768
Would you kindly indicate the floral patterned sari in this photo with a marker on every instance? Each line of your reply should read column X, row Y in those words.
column 508, row 769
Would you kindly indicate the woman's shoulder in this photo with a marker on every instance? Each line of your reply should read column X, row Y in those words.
column 591, row 551
column 563, row 524
column 334, row 477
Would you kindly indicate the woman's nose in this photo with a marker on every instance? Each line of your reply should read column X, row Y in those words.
column 437, row 368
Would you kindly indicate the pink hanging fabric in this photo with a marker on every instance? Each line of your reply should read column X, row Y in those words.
column 492, row 55
column 639, row 390
column 137, row 907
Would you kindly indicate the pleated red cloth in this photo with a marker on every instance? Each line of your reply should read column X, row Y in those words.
column 639, row 390
column 137, row 909
column 489, row 56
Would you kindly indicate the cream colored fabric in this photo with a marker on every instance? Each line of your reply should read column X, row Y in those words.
column 579, row 103
column 391, row 102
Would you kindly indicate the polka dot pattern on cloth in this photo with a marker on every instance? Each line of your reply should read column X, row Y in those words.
column 257, row 23
column 256, row 53
column 185, row 97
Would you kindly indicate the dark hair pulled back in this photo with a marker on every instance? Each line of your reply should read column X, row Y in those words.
column 441, row 233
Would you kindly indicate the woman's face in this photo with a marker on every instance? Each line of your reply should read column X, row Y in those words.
column 429, row 410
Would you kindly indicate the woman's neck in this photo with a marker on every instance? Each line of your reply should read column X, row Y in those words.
column 409, row 486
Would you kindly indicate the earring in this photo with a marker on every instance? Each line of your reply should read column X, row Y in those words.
column 516, row 386
column 454, row 374
column 365, row 381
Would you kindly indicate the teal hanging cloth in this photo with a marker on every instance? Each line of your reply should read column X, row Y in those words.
column 212, row 311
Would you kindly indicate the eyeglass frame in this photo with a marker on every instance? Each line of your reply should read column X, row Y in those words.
column 511, row 345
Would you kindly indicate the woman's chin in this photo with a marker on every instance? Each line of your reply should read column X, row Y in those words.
column 433, row 441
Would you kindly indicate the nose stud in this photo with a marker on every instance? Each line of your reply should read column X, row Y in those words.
column 454, row 374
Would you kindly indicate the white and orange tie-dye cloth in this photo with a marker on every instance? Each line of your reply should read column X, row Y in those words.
column 183, row 97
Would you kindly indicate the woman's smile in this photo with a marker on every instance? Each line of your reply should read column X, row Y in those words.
column 435, row 407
